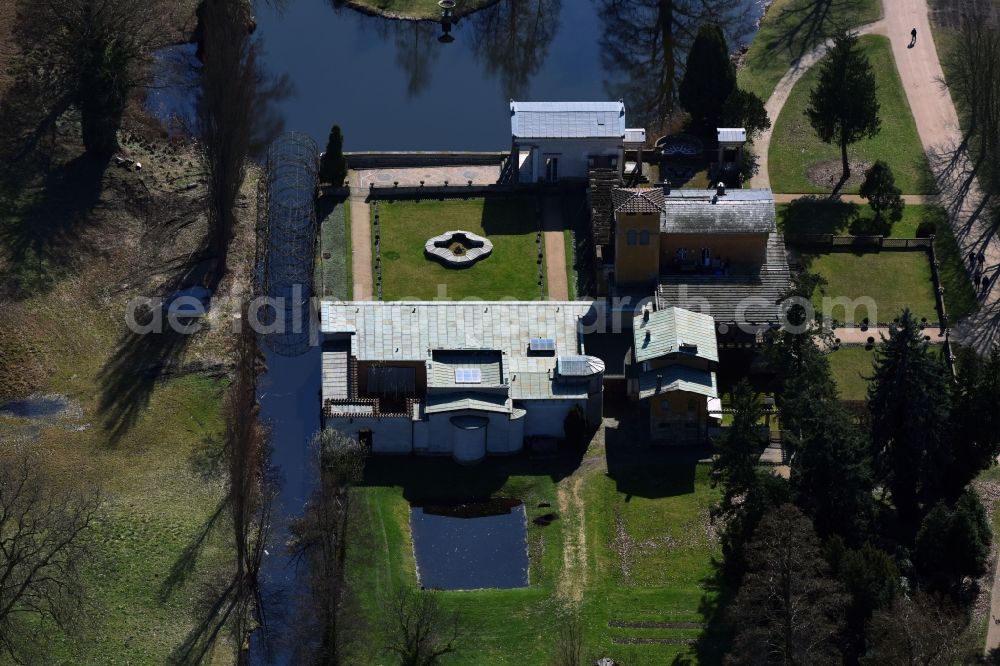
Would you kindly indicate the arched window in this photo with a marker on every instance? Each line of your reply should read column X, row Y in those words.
column 643, row 237
column 631, row 237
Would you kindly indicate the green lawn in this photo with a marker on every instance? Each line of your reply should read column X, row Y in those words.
column 646, row 556
column 821, row 216
column 791, row 29
column 812, row 216
column 162, row 539
column 418, row 9
column 795, row 147
column 850, row 367
column 333, row 263
column 893, row 279
column 511, row 272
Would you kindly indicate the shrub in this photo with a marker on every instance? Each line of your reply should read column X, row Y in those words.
column 926, row 229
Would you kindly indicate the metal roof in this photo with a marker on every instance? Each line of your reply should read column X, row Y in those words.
column 704, row 212
column 732, row 135
column 567, row 120
column 410, row 331
column 638, row 200
column 678, row 378
column 635, row 135
column 669, row 329
column 579, row 366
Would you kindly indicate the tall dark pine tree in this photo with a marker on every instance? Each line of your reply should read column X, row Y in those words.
column 333, row 166
column 789, row 609
column 975, row 419
column 709, row 80
column 909, row 402
column 832, row 478
column 747, row 491
column 843, row 107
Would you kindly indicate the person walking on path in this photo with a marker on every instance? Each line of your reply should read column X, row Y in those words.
column 913, row 38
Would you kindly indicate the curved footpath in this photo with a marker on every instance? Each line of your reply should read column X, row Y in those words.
column 937, row 124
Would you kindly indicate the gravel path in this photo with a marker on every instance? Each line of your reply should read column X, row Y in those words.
column 361, row 240
column 555, row 249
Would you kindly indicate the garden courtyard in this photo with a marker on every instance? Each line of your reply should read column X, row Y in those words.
column 894, row 278
column 514, row 270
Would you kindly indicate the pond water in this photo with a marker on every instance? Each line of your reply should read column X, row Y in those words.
column 465, row 550
column 45, row 408
column 391, row 85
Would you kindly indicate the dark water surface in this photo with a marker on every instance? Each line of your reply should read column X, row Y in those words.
column 456, row 553
column 290, row 405
column 391, row 85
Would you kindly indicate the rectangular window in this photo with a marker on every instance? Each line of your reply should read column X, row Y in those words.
column 468, row 376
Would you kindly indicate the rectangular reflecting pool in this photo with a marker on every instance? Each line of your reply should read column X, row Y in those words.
column 470, row 547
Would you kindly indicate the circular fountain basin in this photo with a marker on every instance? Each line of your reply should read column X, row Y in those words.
column 458, row 249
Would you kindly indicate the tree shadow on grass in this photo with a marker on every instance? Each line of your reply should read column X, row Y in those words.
column 511, row 215
column 804, row 25
column 814, row 215
column 44, row 235
column 717, row 636
column 181, row 571
column 218, row 605
column 140, row 360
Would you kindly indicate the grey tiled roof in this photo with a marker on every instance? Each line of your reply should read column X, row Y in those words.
column 336, row 371
column 638, row 200
column 411, row 330
column 733, row 298
column 671, row 327
column 576, row 120
column 541, row 386
column 678, row 378
column 703, row 211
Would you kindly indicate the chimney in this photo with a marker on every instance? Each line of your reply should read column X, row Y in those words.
column 666, row 188
column 720, row 189
column 659, row 382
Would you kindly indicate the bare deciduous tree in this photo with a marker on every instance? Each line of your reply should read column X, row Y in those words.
column 974, row 81
column 42, row 547
column 82, row 53
column 319, row 539
column 250, row 488
column 418, row 630
column 229, row 78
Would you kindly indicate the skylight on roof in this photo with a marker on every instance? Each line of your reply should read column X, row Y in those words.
column 468, row 376
column 541, row 344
